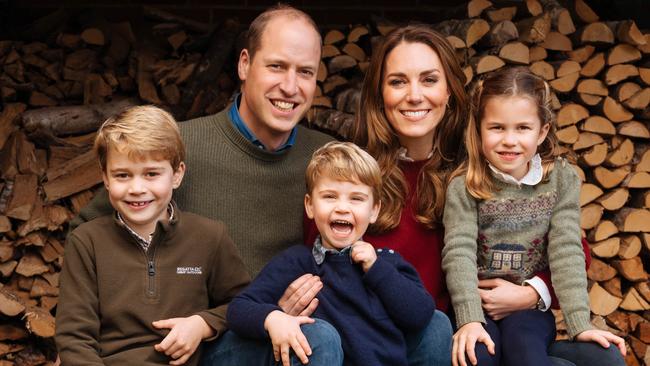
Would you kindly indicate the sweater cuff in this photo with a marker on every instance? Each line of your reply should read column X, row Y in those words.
column 577, row 323
column 542, row 290
column 467, row 313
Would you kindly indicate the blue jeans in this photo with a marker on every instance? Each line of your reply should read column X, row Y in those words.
column 431, row 346
column 231, row 349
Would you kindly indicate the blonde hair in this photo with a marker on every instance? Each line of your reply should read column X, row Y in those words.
column 507, row 82
column 374, row 132
column 140, row 132
column 344, row 161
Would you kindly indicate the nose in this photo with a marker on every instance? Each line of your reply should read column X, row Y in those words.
column 509, row 138
column 137, row 186
column 414, row 93
column 342, row 206
column 289, row 84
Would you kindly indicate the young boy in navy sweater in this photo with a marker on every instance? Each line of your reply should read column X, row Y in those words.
column 371, row 297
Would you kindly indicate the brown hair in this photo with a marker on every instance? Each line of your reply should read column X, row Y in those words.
column 140, row 132
column 506, row 82
column 344, row 161
column 256, row 28
column 374, row 131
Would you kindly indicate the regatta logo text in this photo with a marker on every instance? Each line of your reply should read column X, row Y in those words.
column 189, row 270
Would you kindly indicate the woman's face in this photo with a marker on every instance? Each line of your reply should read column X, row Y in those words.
column 415, row 94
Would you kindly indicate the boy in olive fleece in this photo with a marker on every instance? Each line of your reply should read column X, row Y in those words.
column 145, row 285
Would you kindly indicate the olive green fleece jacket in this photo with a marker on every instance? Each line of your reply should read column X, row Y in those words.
column 258, row 194
column 112, row 290
column 517, row 232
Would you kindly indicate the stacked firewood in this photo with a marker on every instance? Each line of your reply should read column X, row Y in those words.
column 57, row 88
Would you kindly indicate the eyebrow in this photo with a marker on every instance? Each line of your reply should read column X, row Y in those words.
column 425, row 72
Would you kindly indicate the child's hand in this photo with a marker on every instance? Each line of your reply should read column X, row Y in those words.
column 183, row 338
column 285, row 334
column 603, row 338
column 465, row 340
column 364, row 254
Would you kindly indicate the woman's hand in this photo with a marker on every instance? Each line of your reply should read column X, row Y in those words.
column 501, row 298
column 300, row 297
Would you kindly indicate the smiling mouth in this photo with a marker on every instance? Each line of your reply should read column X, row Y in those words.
column 509, row 155
column 283, row 106
column 341, row 227
column 415, row 114
column 138, row 204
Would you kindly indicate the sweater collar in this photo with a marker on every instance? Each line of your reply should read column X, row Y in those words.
column 402, row 155
column 533, row 177
column 319, row 251
column 164, row 225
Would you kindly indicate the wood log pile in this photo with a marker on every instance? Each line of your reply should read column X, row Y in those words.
column 58, row 83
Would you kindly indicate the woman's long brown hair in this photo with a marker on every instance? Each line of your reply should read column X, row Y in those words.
column 374, row 132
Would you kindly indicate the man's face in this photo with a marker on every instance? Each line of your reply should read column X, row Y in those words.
column 280, row 80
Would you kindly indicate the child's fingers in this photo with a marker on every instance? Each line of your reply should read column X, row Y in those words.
column 284, row 354
column 454, row 352
column 182, row 360
column 461, row 351
column 470, row 350
column 488, row 343
column 164, row 323
column 299, row 351
column 304, row 344
column 618, row 342
column 166, row 343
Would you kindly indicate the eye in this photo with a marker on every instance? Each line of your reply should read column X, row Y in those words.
column 524, row 127
column 307, row 72
column 152, row 174
column 358, row 198
column 275, row 66
column 120, row 175
column 396, row 82
column 430, row 80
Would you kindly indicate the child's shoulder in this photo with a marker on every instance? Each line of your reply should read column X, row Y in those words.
column 96, row 227
column 563, row 170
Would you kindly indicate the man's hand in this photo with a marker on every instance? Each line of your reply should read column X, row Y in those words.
column 501, row 298
column 299, row 299
column 364, row 254
column 603, row 338
column 285, row 334
column 465, row 341
column 184, row 337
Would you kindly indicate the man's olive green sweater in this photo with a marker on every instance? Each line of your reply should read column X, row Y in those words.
column 519, row 231
column 112, row 290
column 258, row 194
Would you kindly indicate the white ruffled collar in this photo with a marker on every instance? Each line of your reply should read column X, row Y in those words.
column 533, row 177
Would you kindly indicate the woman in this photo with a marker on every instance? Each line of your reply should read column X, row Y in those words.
column 414, row 112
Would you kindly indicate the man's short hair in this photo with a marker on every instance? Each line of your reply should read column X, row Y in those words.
column 141, row 132
column 257, row 27
column 344, row 161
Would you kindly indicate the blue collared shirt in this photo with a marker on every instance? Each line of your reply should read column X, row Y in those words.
column 236, row 119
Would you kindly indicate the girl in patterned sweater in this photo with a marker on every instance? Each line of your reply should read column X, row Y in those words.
column 513, row 211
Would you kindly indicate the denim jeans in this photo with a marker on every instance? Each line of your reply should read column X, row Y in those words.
column 232, row 350
column 431, row 346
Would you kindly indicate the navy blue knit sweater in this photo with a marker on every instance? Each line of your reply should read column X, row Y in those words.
column 370, row 311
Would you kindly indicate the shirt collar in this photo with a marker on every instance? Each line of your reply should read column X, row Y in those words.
column 533, row 177
column 236, row 119
column 143, row 242
column 319, row 251
column 401, row 155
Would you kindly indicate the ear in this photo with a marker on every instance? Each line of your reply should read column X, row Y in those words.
column 543, row 132
column 105, row 179
column 244, row 64
column 375, row 212
column 178, row 175
column 308, row 207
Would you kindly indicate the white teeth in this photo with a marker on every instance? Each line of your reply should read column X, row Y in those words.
column 139, row 204
column 287, row 106
column 414, row 113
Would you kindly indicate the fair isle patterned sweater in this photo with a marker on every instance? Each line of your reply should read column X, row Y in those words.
column 519, row 231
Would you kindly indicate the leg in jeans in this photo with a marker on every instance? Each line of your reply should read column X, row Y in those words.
column 432, row 345
column 587, row 353
column 525, row 337
column 230, row 349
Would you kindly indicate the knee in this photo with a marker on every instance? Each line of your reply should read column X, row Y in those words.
column 322, row 334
